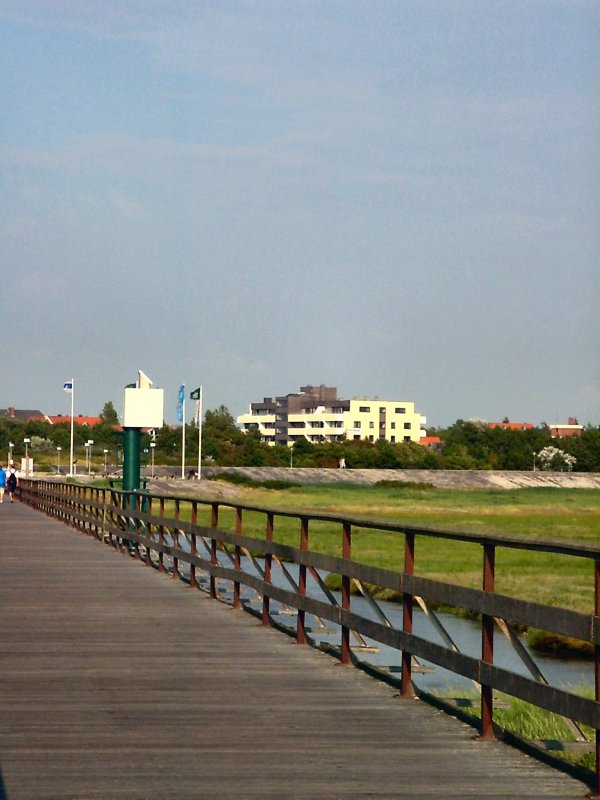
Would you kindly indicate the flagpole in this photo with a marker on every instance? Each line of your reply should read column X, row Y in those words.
column 72, row 407
column 183, row 441
column 199, row 423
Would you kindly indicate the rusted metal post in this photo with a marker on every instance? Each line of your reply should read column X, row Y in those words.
column 193, row 547
column 161, row 537
column 99, row 527
column 149, row 533
column 213, row 549
column 137, row 506
column 346, row 554
column 266, row 617
column 407, row 691
column 487, row 643
column 176, row 540
column 95, row 513
column 236, row 559
column 597, row 670
column 301, row 626
column 80, row 524
column 106, row 497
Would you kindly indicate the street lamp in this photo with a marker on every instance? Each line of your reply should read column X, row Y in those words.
column 105, row 455
column 88, row 452
column 27, row 442
column 152, row 446
column 10, row 455
column 534, row 460
column 58, row 449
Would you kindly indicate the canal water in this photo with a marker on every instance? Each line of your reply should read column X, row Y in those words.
column 572, row 674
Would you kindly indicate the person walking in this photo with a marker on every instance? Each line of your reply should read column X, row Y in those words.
column 12, row 482
column 2, row 483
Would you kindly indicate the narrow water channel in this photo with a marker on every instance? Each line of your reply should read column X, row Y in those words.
column 572, row 674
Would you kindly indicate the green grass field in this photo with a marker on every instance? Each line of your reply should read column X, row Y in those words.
column 568, row 515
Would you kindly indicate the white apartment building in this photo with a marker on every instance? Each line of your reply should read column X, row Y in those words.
column 318, row 415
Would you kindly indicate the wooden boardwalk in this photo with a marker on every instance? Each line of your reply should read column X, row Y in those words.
column 118, row 682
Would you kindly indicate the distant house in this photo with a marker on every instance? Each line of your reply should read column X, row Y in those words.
column 80, row 419
column 20, row 414
column 571, row 428
column 431, row 441
column 512, row 426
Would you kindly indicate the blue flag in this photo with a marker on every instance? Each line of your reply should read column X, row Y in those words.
column 180, row 402
column 68, row 387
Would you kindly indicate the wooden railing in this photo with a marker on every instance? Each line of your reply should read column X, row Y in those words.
column 208, row 555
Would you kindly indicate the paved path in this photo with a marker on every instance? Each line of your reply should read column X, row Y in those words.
column 119, row 683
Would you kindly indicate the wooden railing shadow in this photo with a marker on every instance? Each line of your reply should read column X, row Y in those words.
column 3, row 794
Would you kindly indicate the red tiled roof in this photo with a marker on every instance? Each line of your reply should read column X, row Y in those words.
column 80, row 419
column 512, row 426
column 429, row 440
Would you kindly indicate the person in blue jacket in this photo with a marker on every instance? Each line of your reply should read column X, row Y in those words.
column 2, row 483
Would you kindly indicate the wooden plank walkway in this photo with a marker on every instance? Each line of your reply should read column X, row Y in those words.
column 117, row 682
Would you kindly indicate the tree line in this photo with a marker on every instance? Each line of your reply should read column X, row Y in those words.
column 464, row 445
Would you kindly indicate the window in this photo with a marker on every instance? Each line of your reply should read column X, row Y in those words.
column 407, row 438
column 392, row 439
column 407, row 426
column 371, row 424
column 382, row 409
column 364, row 409
column 371, row 439
column 393, row 425
column 357, row 423
column 400, row 410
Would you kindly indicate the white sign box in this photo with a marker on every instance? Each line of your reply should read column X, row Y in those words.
column 143, row 408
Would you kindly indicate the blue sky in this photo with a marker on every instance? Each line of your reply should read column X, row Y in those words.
column 400, row 199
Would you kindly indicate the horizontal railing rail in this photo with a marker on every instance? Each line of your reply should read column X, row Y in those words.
column 138, row 523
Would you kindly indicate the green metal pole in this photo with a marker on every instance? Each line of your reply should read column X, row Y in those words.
column 132, row 438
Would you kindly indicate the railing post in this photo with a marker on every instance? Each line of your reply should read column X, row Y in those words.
column 213, row 549
column 266, row 617
column 78, row 506
column 597, row 669
column 236, row 559
column 176, row 540
column 193, row 547
column 149, row 533
column 301, row 626
column 407, row 691
column 161, row 537
column 94, row 513
column 137, row 525
column 347, row 555
column 98, row 514
column 487, row 643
